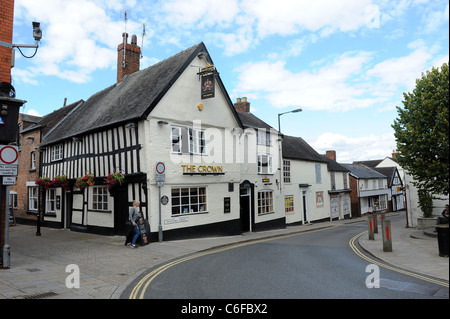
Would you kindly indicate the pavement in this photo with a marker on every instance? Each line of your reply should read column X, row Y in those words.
column 41, row 265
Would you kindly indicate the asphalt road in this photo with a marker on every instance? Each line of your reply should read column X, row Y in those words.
column 313, row 265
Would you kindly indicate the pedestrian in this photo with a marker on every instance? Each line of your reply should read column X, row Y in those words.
column 134, row 216
column 444, row 218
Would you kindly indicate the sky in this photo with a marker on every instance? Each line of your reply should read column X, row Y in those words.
column 345, row 63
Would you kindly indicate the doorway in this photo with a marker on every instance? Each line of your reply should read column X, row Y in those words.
column 305, row 208
column 121, row 209
column 67, row 209
column 246, row 207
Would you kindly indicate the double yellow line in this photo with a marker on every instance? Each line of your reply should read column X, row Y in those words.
column 139, row 290
column 372, row 261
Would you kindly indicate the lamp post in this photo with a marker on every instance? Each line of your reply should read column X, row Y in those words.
column 279, row 114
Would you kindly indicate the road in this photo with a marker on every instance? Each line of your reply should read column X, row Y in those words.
column 313, row 265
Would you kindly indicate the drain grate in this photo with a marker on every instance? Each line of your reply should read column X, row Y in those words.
column 41, row 295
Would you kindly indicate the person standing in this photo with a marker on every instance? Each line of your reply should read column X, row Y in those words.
column 134, row 217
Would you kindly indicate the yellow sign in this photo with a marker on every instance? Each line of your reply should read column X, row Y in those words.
column 201, row 168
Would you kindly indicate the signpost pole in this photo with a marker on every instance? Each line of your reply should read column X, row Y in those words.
column 160, row 234
column 160, row 178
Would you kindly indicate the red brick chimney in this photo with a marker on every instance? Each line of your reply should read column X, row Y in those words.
column 332, row 155
column 128, row 59
column 242, row 105
column 6, row 34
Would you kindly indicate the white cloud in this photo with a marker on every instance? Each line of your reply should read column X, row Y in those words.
column 349, row 149
column 79, row 37
column 289, row 16
column 333, row 86
column 402, row 71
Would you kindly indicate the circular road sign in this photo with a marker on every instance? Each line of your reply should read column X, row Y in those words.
column 160, row 168
column 8, row 155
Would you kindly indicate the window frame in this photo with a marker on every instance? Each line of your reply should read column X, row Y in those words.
column 196, row 200
column 99, row 200
column 265, row 202
column 269, row 165
column 56, row 152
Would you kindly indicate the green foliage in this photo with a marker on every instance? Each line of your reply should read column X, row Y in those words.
column 425, row 202
column 422, row 131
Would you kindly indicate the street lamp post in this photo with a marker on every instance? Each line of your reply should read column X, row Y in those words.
column 279, row 114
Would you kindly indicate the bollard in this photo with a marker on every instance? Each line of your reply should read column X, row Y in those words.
column 382, row 216
column 387, row 236
column 371, row 229
column 375, row 224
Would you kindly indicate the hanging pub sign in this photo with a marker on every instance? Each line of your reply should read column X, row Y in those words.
column 208, row 83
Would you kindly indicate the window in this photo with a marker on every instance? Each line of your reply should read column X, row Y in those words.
column 265, row 164
column 265, row 202
column 380, row 183
column 318, row 174
column 289, row 204
column 187, row 200
column 188, row 140
column 287, row 171
column 100, row 198
column 176, row 140
column 50, row 203
column 197, row 142
column 345, row 177
column 32, row 198
column 13, row 199
column 263, row 137
column 333, row 181
column 56, row 153
column 33, row 160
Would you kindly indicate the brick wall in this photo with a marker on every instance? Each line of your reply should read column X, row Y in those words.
column 132, row 57
column 30, row 141
column 6, row 33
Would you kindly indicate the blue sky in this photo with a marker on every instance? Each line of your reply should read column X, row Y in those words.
column 346, row 63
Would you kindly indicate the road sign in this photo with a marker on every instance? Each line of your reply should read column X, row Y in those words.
column 160, row 172
column 9, row 180
column 9, row 155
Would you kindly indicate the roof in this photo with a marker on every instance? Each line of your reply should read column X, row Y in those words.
column 333, row 165
column 51, row 120
column 130, row 100
column 297, row 148
column 251, row 121
column 362, row 171
column 373, row 163
column 389, row 172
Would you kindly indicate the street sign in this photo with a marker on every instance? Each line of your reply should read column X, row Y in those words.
column 8, row 170
column 9, row 160
column 9, row 155
column 160, row 172
column 8, row 181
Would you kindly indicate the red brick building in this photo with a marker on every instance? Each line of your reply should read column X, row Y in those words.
column 6, row 33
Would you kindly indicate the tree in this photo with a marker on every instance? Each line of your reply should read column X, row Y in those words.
column 422, row 130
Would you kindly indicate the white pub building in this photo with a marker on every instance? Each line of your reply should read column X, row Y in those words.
column 178, row 113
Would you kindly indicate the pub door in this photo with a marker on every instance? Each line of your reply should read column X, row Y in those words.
column 121, row 209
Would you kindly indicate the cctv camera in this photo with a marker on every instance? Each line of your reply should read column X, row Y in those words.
column 37, row 32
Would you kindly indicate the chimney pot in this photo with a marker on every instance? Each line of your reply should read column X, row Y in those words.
column 332, row 155
column 134, row 39
column 242, row 105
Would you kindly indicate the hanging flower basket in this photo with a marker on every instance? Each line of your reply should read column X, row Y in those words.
column 60, row 181
column 43, row 182
column 114, row 179
column 85, row 181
